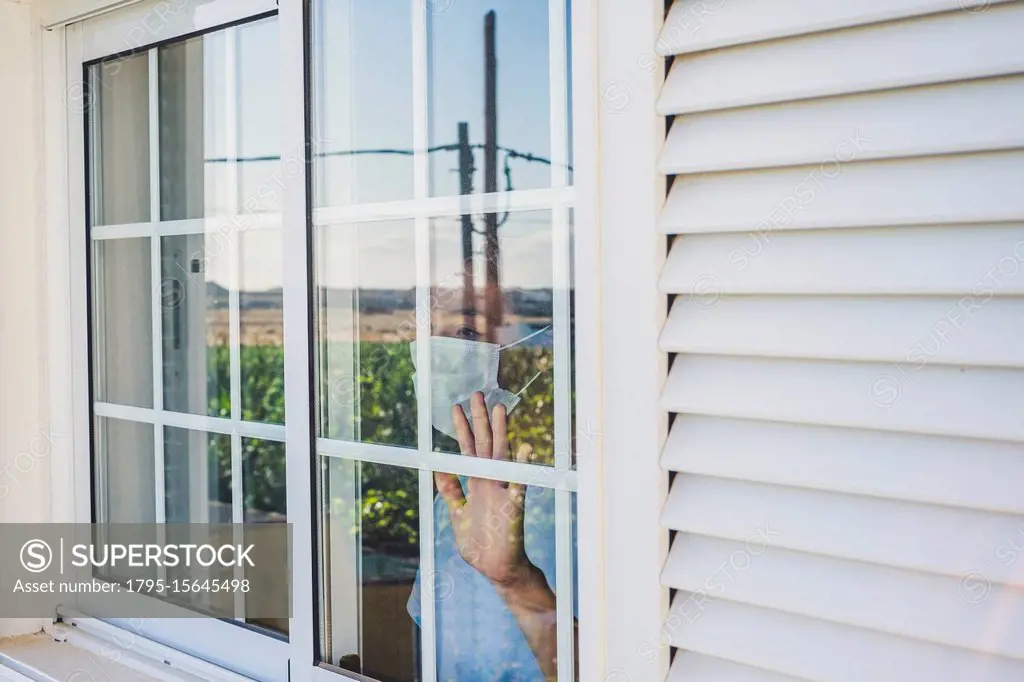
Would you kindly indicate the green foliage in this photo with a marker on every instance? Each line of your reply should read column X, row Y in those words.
column 385, row 395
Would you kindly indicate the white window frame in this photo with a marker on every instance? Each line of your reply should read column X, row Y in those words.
column 596, row 483
column 133, row 28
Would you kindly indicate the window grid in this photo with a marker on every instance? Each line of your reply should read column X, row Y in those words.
column 559, row 199
column 231, row 229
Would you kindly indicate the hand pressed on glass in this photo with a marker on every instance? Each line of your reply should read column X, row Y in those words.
column 488, row 523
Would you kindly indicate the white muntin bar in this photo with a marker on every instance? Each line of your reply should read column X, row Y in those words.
column 562, row 288
column 500, row 202
column 237, row 516
column 195, row 422
column 156, row 290
column 235, row 327
column 222, row 225
column 421, row 185
column 234, row 235
column 564, row 584
column 231, row 194
column 559, row 108
column 475, row 467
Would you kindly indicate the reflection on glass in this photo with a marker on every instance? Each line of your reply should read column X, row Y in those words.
column 264, row 489
column 125, row 484
column 261, row 325
column 124, row 474
column 197, row 490
column 370, row 549
column 495, row 581
column 219, row 139
column 492, row 317
column 489, row 97
column 363, row 109
column 197, row 476
column 118, row 123
column 122, row 300
column 366, row 303
column 195, row 324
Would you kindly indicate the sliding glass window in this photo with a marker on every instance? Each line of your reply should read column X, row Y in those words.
column 184, row 233
column 442, row 295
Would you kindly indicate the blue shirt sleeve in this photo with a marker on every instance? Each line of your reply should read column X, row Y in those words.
column 478, row 638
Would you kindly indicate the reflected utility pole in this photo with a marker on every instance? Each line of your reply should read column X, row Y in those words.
column 466, row 171
column 492, row 294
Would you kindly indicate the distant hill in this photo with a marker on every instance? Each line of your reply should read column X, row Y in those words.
column 526, row 302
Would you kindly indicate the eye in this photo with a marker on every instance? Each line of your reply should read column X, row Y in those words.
column 467, row 332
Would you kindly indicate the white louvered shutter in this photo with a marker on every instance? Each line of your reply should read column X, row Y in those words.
column 848, row 340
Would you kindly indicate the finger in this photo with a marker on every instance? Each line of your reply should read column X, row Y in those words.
column 463, row 433
column 517, row 491
column 481, row 425
column 451, row 490
column 499, row 427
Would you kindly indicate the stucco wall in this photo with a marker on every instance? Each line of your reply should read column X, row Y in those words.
column 25, row 439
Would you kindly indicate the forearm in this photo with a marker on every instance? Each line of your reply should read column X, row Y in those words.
column 532, row 602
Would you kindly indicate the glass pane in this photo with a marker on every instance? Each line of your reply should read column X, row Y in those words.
column 363, row 108
column 366, row 289
column 124, row 476
column 197, row 490
column 261, row 324
column 495, row 581
column 479, row 47
column 492, row 317
column 257, row 111
column 197, row 476
column 195, row 323
column 118, row 124
column 370, row 546
column 122, row 326
column 219, row 133
column 265, row 492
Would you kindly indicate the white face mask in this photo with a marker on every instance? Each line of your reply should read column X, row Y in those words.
column 459, row 368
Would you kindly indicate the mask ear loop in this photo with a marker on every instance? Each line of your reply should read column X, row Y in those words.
column 525, row 338
column 516, row 343
column 528, row 383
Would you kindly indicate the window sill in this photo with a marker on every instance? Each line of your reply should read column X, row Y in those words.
column 66, row 653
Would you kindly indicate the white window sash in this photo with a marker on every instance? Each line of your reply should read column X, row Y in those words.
column 65, row 141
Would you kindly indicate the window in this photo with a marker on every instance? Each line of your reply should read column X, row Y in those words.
column 186, row 314
column 422, row 282
column 436, row 237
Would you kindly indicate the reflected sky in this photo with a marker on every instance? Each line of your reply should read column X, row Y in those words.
column 363, row 101
column 457, row 77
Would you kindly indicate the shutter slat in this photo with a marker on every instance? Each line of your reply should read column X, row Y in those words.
column 821, row 651
column 923, row 330
column 808, row 132
column 950, row 401
column 969, row 188
column 944, row 47
column 929, row 538
column 690, row 667
column 974, row 263
column 977, row 474
column 923, row 606
column 694, row 25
